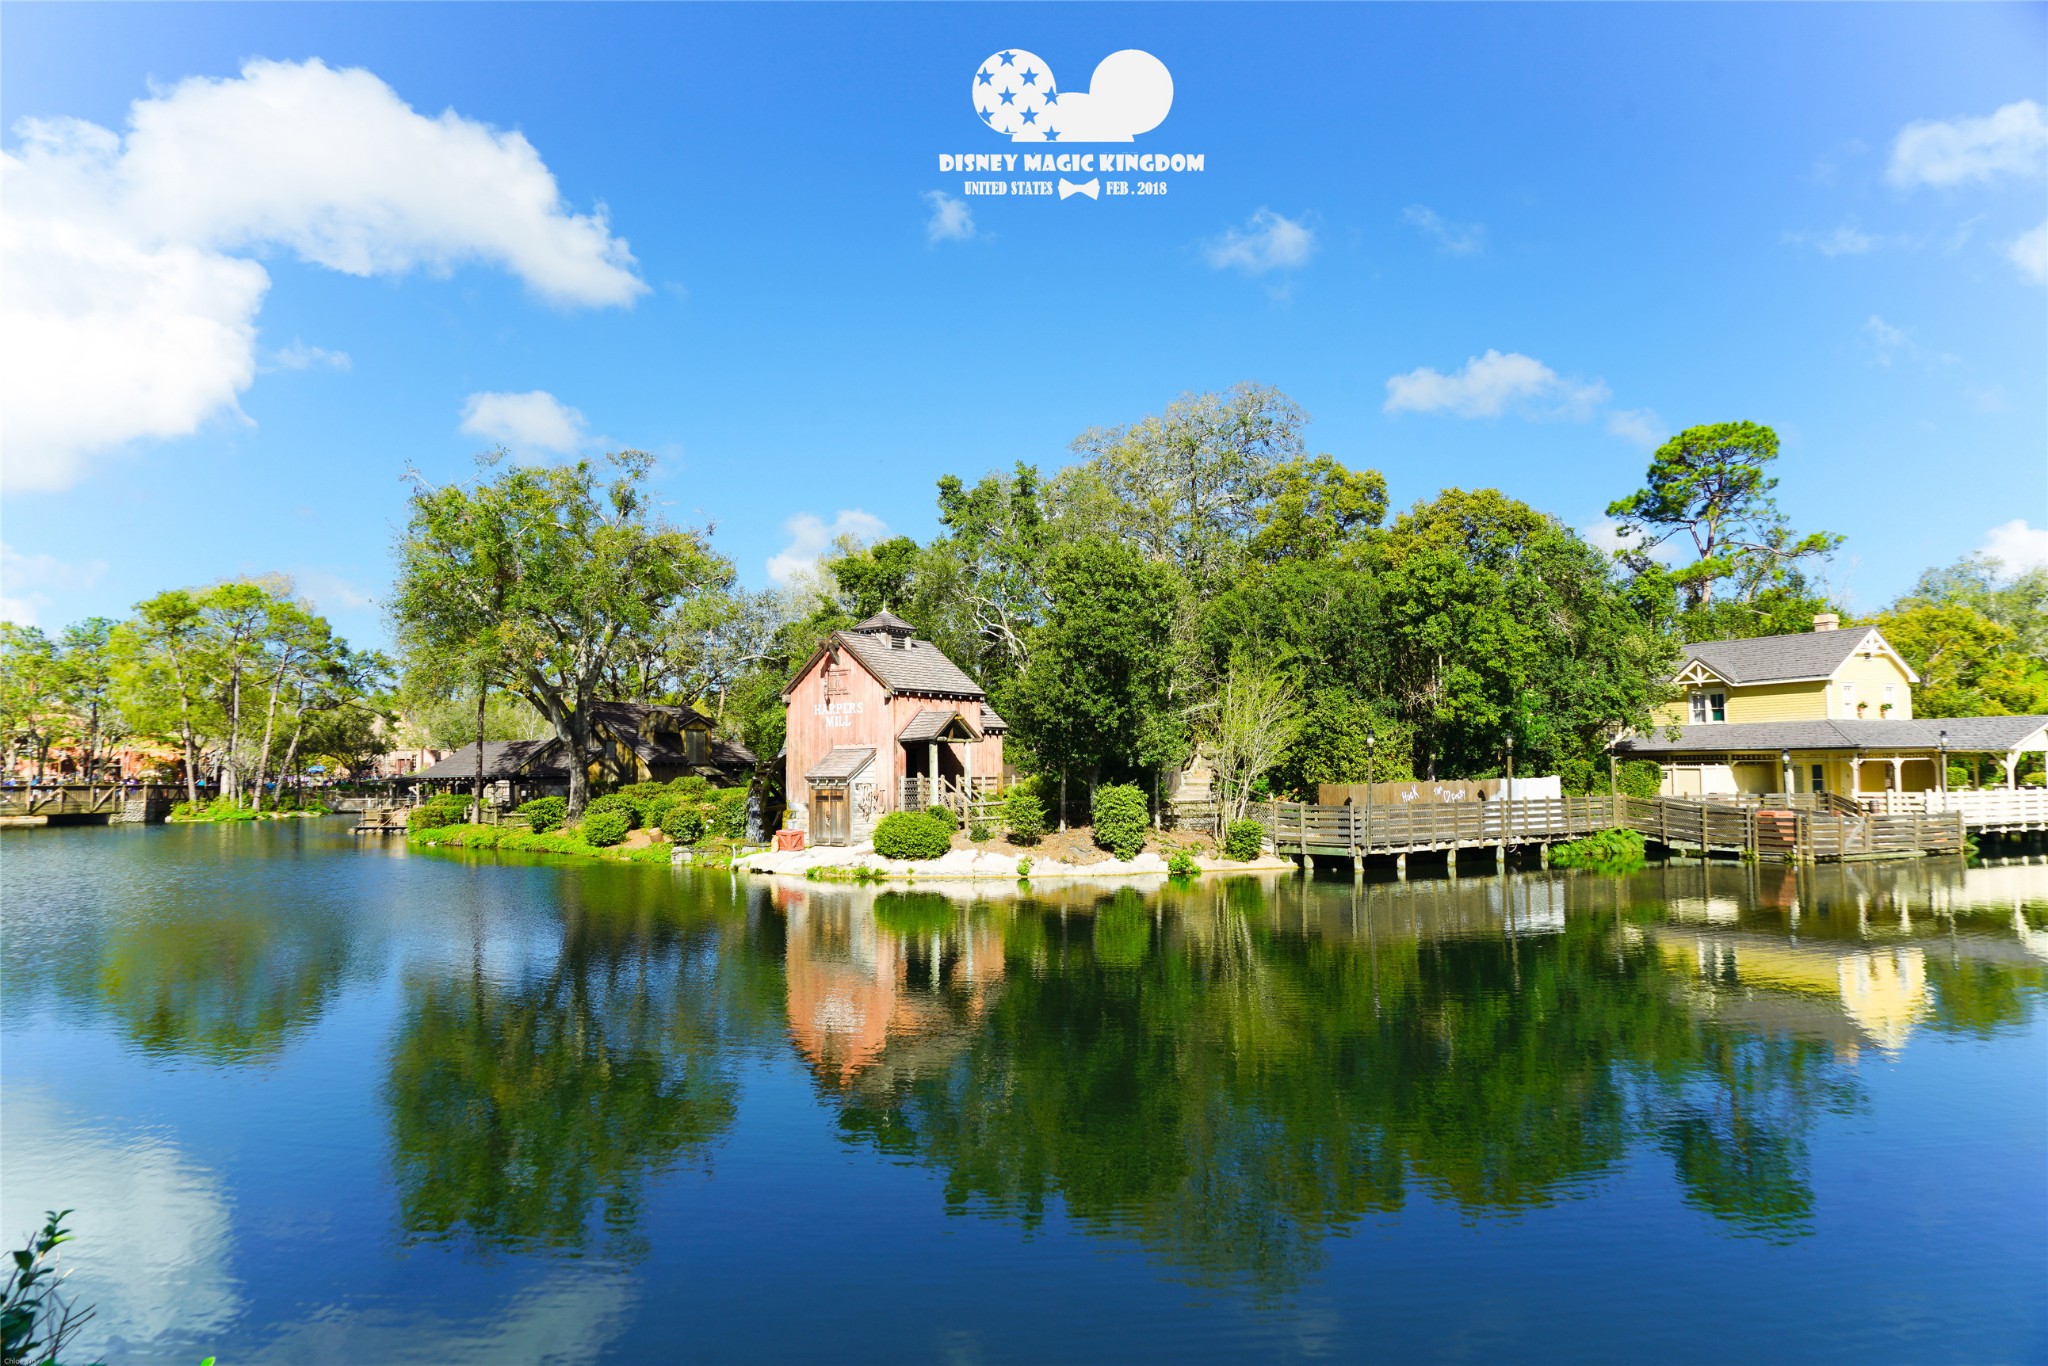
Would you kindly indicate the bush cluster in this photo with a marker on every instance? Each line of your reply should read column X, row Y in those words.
column 1242, row 840
column 1120, row 819
column 1609, row 851
column 449, row 808
column 683, row 823
column 608, row 826
column 727, row 817
column 1183, row 864
column 979, row 832
column 625, row 805
column 944, row 816
column 1023, row 816
column 911, row 835
column 545, row 813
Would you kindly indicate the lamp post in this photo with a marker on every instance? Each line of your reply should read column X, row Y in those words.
column 1785, row 758
column 1370, row 740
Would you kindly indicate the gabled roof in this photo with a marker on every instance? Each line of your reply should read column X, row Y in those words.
column 888, row 623
column 990, row 722
column 840, row 763
column 1784, row 659
column 502, row 759
column 938, row 723
column 1966, row 735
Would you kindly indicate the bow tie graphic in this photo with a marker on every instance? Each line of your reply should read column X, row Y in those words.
column 1093, row 188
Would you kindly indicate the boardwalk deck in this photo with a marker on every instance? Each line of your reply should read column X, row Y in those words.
column 1821, row 831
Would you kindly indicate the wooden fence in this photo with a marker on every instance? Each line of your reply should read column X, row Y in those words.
column 1819, row 831
column 967, row 798
column 1993, row 810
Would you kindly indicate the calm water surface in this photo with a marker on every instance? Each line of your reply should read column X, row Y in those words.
column 316, row 1103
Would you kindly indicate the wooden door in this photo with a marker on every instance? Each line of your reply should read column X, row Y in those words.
column 830, row 818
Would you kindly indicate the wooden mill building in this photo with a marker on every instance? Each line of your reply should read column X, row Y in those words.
column 881, row 721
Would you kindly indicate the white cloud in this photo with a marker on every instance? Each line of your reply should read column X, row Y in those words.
column 527, row 424
column 1458, row 239
column 303, row 356
column 951, row 220
column 1490, row 384
column 330, row 592
column 1846, row 240
column 2017, row 546
column 2029, row 251
column 1268, row 242
column 1640, row 426
column 2011, row 142
column 810, row 537
column 127, row 317
column 24, row 577
column 1886, row 338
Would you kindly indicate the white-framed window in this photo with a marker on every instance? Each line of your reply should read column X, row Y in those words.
column 1709, row 707
column 1848, row 699
column 1891, row 696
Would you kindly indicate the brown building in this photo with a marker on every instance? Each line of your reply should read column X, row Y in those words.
column 881, row 721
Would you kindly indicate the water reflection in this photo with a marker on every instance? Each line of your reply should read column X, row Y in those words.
column 1231, row 1073
column 524, row 1102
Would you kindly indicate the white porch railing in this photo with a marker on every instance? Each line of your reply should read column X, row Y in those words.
column 1981, row 809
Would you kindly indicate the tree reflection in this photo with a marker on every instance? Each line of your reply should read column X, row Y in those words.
column 1229, row 1095
column 518, row 1108
column 222, row 982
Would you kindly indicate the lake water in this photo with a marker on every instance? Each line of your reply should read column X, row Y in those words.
column 320, row 1103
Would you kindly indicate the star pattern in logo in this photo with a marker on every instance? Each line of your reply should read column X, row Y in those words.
column 1015, row 95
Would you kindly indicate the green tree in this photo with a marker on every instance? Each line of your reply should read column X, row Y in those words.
column 1501, row 622
column 87, row 661
column 1969, row 665
column 162, row 672
column 1711, row 485
column 31, row 694
column 541, row 576
column 1101, row 672
column 1186, row 486
column 1316, row 508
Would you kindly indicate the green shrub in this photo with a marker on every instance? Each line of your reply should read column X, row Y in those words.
column 692, row 788
column 1610, row 851
column 1024, row 867
column 1120, row 819
column 684, row 823
column 607, row 827
column 655, row 809
column 1183, row 864
column 727, row 818
column 979, row 832
column 944, row 816
column 1023, row 816
column 911, row 835
column 446, row 809
column 1242, row 840
column 545, row 813
column 615, row 801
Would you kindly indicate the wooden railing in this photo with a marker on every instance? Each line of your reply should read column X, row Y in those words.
column 1819, row 831
column 964, row 797
column 79, row 800
column 1989, row 809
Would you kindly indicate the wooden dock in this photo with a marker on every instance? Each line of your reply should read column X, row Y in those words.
column 1803, row 829
column 83, row 804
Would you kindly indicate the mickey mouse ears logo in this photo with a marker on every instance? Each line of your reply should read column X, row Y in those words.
column 1129, row 94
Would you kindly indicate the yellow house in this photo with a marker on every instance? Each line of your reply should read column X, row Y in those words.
column 1829, row 710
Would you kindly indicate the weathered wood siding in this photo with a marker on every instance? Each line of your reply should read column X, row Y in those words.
column 833, row 704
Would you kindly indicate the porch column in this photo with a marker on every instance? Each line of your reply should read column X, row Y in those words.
column 1856, row 777
column 2012, row 764
column 1898, row 773
column 932, row 753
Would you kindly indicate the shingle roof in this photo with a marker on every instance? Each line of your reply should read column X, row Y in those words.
column 840, row 762
column 502, row 759
column 990, row 721
column 917, row 667
column 1966, row 734
column 931, row 723
column 1768, row 659
column 889, row 622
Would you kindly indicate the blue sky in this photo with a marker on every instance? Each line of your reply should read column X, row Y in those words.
column 281, row 289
